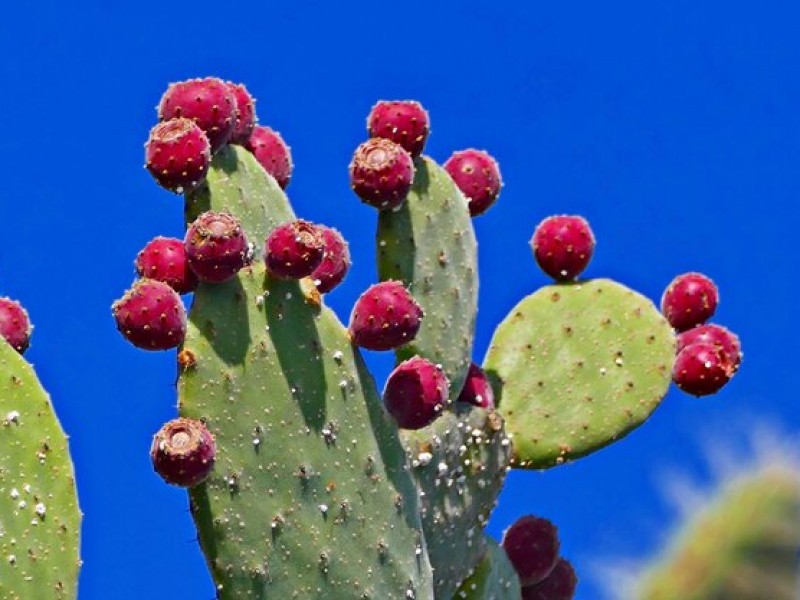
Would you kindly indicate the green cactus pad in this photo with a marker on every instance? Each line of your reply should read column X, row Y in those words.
column 459, row 462
column 576, row 367
column 493, row 579
column 429, row 244
column 39, row 515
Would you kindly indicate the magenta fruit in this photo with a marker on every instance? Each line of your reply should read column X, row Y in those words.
column 405, row 122
column 15, row 326
column 151, row 316
column 381, row 173
column 272, row 153
column 208, row 102
column 335, row 263
column 293, row 250
column 245, row 120
column 477, row 175
column 183, row 452
column 701, row 369
column 532, row 546
column 723, row 339
column 216, row 247
column 559, row 585
column 690, row 299
column 164, row 259
column 415, row 393
column 386, row 316
column 563, row 246
column 177, row 154
column 477, row 390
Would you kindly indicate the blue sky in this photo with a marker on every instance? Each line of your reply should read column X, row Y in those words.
column 673, row 126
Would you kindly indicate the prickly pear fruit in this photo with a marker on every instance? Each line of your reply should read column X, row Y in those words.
column 725, row 341
column 563, row 246
column 15, row 326
column 272, row 153
column 164, row 259
column 216, row 247
column 477, row 176
column 405, row 122
column 415, row 393
column 381, row 173
column 183, row 452
column 385, row 316
column 335, row 263
column 151, row 315
column 293, row 250
column 177, row 155
column 559, row 585
column 701, row 369
column 532, row 546
column 477, row 390
column 690, row 299
column 208, row 102
column 245, row 119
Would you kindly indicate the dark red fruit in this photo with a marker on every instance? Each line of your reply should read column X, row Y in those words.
column 385, row 316
column 723, row 339
column 559, row 585
column 293, row 250
column 177, row 154
column 245, row 119
column 477, row 175
column 336, row 262
column 701, row 369
column 272, row 153
column 183, row 452
column 532, row 546
column 151, row 316
column 415, row 393
column 381, row 173
column 164, row 259
column 15, row 326
column 216, row 247
column 477, row 390
column 563, row 245
column 208, row 102
column 405, row 122
column 689, row 300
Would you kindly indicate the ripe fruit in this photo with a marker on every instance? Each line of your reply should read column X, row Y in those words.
column 723, row 339
column 415, row 393
column 177, row 154
column 477, row 175
column 293, row 250
column 405, row 122
column 15, row 326
column 689, row 300
column 385, row 316
column 381, row 173
column 216, row 247
column 335, row 263
column 151, row 315
column 245, row 119
column 183, row 452
column 701, row 369
column 532, row 546
column 272, row 153
column 208, row 102
column 477, row 390
column 559, row 585
column 563, row 245
column 164, row 259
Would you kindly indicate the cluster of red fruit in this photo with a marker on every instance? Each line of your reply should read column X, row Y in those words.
column 15, row 326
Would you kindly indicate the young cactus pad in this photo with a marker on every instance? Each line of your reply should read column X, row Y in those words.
column 493, row 578
column 39, row 519
column 576, row 367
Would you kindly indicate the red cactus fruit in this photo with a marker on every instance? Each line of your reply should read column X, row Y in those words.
column 335, row 263
column 405, row 122
column 690, row 299
column 559, row 585
column 701, row 369
column 477, row 390
column 293, row 250
column 532, row 546
column 208, row 102
column 723, row 339
column 164, row 259
column 563, row 246
column 415, row 393
column 381, row 173
column 245, row 119
column 477, row 175
column 151, row 316
column 216, row 247
column 177, row 154
column 183, row 452
column 15, row 326
column 386, row 316
column 272, row 153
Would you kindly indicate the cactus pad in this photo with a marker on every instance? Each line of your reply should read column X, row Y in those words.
column 493, row 579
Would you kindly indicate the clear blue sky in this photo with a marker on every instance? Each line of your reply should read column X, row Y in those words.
column 672, row 125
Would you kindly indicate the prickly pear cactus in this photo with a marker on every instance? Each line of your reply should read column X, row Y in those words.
column 493, row 578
